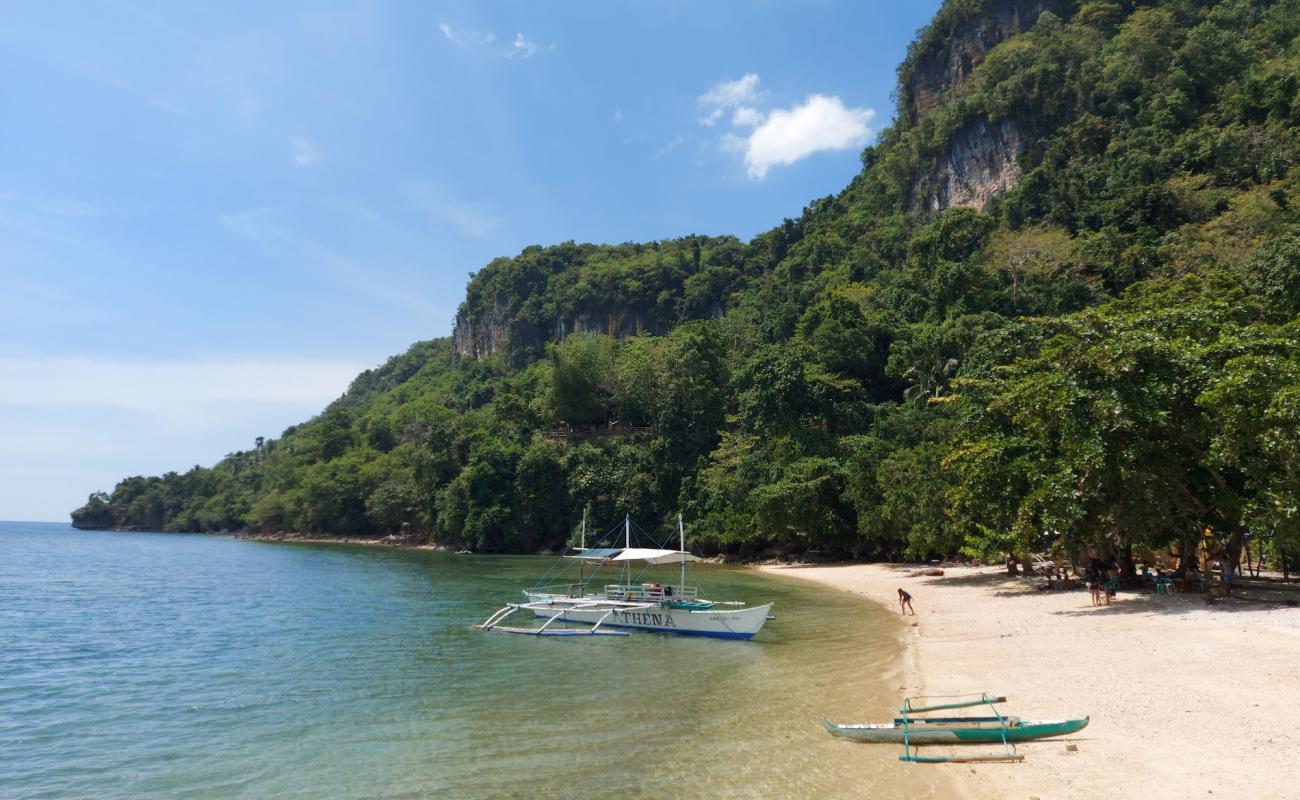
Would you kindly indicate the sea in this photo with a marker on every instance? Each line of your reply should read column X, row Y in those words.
column 153, row 665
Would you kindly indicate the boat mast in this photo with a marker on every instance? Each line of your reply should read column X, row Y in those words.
column 627, row 543
column 582, row 546
column 681, row 545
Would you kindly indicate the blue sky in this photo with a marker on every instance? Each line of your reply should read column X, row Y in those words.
column 213, row 215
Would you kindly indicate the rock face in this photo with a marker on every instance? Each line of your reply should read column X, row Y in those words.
column 481, row 339
column 971, row 39
column 979, row 164
column 980, row 161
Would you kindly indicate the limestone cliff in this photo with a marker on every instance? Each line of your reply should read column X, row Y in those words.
column 480, row 339
column 520, row 304
column 981, row 157
column 979, row 164
column 956, row 42
column 547, row 294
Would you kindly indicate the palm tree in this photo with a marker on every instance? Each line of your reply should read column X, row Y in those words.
column 929, row 381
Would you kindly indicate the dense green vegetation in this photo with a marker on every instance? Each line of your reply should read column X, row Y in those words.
column 1107, row 356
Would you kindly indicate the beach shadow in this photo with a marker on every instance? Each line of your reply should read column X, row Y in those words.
column 1000, row 584
column 980, row 579
column 1177, row 604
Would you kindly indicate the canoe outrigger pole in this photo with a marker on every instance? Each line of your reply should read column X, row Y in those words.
column 912, row 729
column 911, row 752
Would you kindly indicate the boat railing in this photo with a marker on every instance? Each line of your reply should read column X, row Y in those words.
column 562, row 590
column 651, row 593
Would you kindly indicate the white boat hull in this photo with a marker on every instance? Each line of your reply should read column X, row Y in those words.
column 730, row 624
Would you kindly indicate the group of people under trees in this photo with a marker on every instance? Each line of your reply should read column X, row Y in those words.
column 1104, row 578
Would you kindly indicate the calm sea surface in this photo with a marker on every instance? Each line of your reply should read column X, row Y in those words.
column 145, row 665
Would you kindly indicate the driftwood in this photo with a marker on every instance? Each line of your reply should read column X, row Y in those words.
column 923, row 573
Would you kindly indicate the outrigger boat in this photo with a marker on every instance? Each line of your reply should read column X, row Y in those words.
column 629, row 603
column 911, row 731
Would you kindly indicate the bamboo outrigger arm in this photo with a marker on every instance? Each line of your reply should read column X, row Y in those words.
column 494, row 622
column 983, row 700
column 497, row 617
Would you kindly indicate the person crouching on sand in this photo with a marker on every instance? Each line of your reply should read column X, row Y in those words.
column 905, row 603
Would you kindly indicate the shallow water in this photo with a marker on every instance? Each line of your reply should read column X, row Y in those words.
column 137, row 665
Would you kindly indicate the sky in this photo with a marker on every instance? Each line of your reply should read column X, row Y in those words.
column 214, row 215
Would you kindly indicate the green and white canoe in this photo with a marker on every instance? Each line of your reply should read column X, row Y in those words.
column 957, row 730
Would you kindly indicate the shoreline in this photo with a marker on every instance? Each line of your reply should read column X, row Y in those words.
column 1184, row 699
column 308, row 538
column 421, row 543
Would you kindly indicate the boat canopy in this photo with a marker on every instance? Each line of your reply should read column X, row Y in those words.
column 647, row 554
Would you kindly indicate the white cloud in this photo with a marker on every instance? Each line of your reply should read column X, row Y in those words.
column 787, row 135
column 304, row 152
column 746, row 117
column 731, row 143
column 449, row 33
column 783, row 135
column 726, row 95
column 521, row 48
column 729, row 94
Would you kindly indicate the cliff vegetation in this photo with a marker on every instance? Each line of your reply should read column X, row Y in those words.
column 1057, row 306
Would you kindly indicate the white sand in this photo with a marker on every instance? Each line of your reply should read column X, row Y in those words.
column 1185, row 700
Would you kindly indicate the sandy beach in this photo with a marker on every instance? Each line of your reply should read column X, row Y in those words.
column 1185, row 699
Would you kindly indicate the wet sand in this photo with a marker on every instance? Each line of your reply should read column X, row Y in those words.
column 1185, row 699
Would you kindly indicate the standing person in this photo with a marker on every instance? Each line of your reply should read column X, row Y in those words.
column 1091, row 578
column 905, row 603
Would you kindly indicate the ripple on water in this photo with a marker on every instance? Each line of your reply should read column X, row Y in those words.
column 155, row 665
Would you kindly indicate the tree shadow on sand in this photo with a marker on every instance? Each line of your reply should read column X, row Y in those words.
column 1178, row 603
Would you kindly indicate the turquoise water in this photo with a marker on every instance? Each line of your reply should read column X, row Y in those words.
column 143, row 665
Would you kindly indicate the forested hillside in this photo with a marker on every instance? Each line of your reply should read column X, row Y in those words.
column 1057, row 306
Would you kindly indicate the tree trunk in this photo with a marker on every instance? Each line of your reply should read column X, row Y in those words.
column 1187, row 553
column 1232, row 550
column 1011, row 566
column 1027, row 563
column 1126, row 568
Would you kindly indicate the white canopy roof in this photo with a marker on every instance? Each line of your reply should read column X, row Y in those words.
column 646, row 554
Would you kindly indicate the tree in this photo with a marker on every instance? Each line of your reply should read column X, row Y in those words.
column 579, row 370
column 392, row 504
column 1098, row 437
column 843, row 340
column 1273, row 274
column 1254, row 409
column 803, row 504
column 542, row 496
column 96, row 514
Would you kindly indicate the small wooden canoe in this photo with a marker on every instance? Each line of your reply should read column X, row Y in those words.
column 954, row 730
